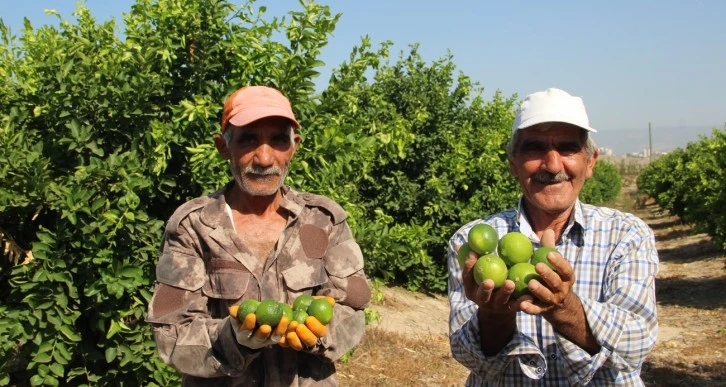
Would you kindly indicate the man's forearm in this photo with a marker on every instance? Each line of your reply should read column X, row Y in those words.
column 572, row 323
column 495, row 331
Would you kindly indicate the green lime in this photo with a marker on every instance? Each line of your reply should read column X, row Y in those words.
column 515, row 247
column 463, row 254
column 269, row 312
column 321, row 310
column 521, row 274
column 302, row 302
column 299, row 315
column 490, row 267
column 247, row 307
column 287, row 311
column 540, row 255
column 483, row 239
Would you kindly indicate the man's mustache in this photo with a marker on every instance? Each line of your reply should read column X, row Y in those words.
column 262, row 171
column 549, row 178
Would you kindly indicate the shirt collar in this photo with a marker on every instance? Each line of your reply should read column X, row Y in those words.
column 576, row 222
column 215, row 213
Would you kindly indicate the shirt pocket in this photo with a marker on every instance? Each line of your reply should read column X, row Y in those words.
column 344, row 259
column 304, row 277
column 180, row 270
column 226, row 279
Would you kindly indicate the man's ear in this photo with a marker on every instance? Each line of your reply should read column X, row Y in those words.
column 295, row 143
column 221, row 146
column 512, row 168
column 591, row 164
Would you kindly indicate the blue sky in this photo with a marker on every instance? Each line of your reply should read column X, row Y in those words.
column 633, row 62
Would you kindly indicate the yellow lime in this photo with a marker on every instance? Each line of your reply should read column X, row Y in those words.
column 540, row 255
column 521, row 274
column 490, row 267
column 321, row 310
column 483, row 239
column 515, row 247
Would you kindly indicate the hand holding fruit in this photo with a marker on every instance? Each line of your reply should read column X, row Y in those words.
column 259, row 324
column 553, row 291
column 482, row 290
column 311, row 315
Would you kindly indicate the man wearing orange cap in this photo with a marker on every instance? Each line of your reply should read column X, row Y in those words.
column 256, row 239
column 591, row 316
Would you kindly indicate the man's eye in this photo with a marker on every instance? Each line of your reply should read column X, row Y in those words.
column 569, row 148
column 281, row 139
column 531, row 147
column 244, row 139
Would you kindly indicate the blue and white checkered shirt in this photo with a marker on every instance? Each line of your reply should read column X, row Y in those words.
column 615, row 262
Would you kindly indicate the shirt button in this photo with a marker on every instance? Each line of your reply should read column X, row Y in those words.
column 553, row 356
column 539, row 370
column 532, row 363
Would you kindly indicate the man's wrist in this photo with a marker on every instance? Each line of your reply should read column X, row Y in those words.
column 490, row 318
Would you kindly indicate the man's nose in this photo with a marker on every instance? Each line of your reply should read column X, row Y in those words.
column 552, row 161
column 264, row 155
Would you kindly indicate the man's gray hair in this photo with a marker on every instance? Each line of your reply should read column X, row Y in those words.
column 584, row 139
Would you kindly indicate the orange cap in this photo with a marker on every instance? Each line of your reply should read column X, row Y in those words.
column 252, row 103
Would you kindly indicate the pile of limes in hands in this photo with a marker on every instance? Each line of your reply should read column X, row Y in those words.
column 307, row 318
column 511, row 257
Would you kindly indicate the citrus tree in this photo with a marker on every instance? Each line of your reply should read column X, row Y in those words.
column 604, row 185
column 690, row 183
column 102, row 138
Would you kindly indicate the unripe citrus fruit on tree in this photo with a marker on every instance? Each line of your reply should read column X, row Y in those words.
column 490, row 267
column 321, row 310
column 463, row 254
column 521, row 274
column 269, row 313
column 514, row 248
column 483, row 239
column 540, row 255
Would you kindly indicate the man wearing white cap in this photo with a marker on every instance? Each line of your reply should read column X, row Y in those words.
column 257, row 239
column 590, row 320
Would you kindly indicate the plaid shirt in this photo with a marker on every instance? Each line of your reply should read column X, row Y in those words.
column 615, row 262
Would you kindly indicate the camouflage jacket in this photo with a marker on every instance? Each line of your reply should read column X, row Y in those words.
column 204, row 268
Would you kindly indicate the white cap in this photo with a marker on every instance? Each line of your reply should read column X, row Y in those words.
column 551, row 105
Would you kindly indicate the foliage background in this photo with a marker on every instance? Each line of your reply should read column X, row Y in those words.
column 691, row 183
column 103, row 137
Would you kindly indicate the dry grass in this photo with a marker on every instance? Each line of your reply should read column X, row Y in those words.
column 391, row 359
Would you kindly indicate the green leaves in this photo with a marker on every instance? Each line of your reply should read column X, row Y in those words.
column 102, row 138
column 604, row 185
column 690, row 183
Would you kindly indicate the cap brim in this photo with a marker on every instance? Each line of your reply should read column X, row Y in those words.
column 251, row 115
column 542, row 118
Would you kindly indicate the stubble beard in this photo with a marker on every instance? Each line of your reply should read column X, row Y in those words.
column 245, row 182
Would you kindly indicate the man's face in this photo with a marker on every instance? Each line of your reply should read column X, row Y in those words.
column 551, row 166
column 259, row 154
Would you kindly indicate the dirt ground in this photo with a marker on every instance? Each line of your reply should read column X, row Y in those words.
column 409, row 346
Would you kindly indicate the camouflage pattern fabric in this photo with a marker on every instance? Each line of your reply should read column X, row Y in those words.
column 205, row 267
